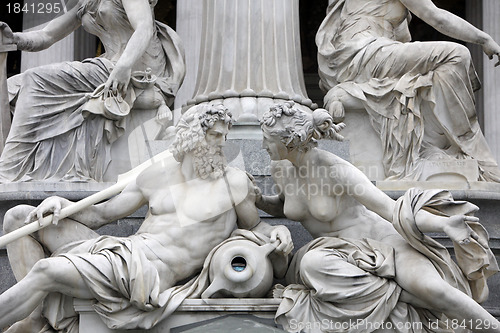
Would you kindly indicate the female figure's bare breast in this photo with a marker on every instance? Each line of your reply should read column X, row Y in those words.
column 325, row 206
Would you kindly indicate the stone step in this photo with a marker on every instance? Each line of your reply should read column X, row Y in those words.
column 256, row 312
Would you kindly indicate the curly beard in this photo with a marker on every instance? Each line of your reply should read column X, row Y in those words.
column 209, row 162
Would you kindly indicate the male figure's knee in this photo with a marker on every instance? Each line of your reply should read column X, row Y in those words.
column 45, row 271
column 15, row 217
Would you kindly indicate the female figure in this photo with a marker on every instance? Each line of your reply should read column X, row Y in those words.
column 419, row 95
column 55, row 135
column 369, row 251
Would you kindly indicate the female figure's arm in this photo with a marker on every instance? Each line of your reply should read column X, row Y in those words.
column 452, row 25
column 361, row 188
column 271, row 204
column 141, row 20
column 356, row 184
column 53, row 32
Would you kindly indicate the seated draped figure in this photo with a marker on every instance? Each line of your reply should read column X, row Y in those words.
column 68, row 115
column 370, row 264
column 418, row 95
column 138, row 280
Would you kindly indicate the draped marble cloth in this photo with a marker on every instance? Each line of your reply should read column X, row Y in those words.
column 418, row 95
column 350, row 281
column 51, row 137
column 126, row 285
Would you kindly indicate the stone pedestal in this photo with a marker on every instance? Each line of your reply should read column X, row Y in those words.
column 191, row 311
column 365, row 152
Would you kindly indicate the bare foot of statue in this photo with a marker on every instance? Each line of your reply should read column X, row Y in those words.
column 277, row 291
column 337, row 111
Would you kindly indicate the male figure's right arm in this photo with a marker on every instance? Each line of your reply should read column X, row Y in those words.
column 95, row 216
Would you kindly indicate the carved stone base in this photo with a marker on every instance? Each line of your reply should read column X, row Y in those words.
column 450, row 170
column 191, row 311
column 366, row 153
column 490, row 190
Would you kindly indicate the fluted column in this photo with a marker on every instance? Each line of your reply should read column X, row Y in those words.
column 491, row 79
column 250, row 55
column 189, row 29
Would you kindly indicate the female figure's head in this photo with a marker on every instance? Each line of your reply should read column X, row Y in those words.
column 287, row 127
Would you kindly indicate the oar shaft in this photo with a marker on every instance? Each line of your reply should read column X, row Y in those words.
column 65, row 212
column 123, row 181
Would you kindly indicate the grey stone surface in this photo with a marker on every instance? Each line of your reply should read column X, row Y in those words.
column 247, row 324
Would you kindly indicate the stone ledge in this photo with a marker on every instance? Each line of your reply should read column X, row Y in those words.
column 230, row 304
column 212, row 304
column 475, row 189
column 41, row 190
column 8, row 48
column 189, row 312
column 480, row 190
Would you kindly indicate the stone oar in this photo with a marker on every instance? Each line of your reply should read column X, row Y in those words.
column 123, row 181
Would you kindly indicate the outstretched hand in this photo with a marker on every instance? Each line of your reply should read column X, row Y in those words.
column 337, row 111
column 51, row 205
column 491, row 49
column 6, row 33
column 460, row 232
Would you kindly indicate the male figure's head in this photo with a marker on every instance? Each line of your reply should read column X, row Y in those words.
column 201, row 132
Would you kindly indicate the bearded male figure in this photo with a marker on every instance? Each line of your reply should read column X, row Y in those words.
column 194, row 203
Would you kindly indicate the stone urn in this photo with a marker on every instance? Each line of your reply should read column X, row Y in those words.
column 242, row 269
